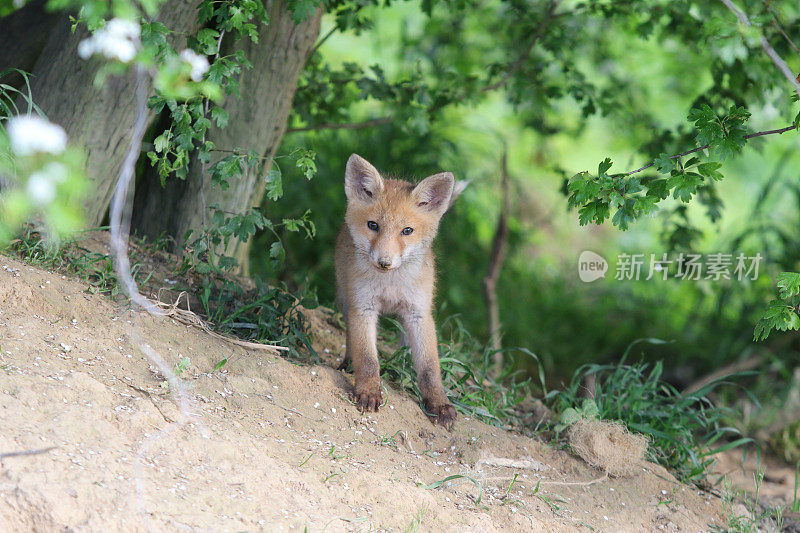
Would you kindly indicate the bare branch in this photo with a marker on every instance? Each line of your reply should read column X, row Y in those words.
column 693, row 150
column 496, row 260
column 345, row 126
column 322, row 41
column 773, row 55
column 788, row 39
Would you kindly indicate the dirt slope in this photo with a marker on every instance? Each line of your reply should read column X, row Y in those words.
column 267, row 445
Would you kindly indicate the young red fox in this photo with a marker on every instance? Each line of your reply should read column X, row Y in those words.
column 385, row 264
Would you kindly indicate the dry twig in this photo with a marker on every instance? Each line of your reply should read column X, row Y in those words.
column 186, row 316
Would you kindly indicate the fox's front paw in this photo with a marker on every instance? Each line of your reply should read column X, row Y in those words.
column 444, row 415
column 367, row 400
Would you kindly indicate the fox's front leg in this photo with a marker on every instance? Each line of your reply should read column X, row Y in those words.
column 363, row 352
column 421, row 333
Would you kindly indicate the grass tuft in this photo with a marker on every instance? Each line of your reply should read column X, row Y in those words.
column 683, row 428
column 70, row 257
column 266, row 314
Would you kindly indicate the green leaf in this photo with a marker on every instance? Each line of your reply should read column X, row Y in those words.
column 274, row 181
column 596, row 211
column 220, row 116
column 227, row 262
column 645, row 205
column 589, row 409
column 788, row 284
column 306, row 163
column 207, row 39
column 277, row 253
column 709, row 170
column 583, row 188
column 691, row 162
column 778, row 316
column 226, row 169
column 658, row 188
column 684, row 185
column 161, row 143
column 729, row 146
column 615, row 199
column 664, row 164
column 624, row 215
column 709, row 127
column 205, row 11
column 604, row 165
column 303, row 9
column 245, row 228
column 293, row 224
column 570, row 416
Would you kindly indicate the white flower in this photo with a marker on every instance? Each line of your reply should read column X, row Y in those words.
column 31, row 134
column 118, row 39
column 198, row 63
column 41, row 187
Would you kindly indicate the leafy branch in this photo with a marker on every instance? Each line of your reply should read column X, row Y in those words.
column 414, row 101
column 782, row 313
column 707, row 146
column 773, row 55
column 632, row 197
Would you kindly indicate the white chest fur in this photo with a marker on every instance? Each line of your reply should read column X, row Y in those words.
column 407, row 288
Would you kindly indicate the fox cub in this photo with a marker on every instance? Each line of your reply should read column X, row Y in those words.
column 385, row 264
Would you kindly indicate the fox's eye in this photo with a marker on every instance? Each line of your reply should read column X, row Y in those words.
column 372, row 225
column 407, row 231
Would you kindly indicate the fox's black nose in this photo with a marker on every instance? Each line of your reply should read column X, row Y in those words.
column 384, row 262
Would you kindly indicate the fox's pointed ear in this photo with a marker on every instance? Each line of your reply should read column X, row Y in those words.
column 361, row 180
column 458, row 188
column 434, row 192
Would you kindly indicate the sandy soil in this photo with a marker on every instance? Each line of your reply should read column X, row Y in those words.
column 262, row 444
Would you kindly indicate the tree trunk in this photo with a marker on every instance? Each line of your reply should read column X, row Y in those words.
column 257, row 121
column 23, row 34
column 99, row 118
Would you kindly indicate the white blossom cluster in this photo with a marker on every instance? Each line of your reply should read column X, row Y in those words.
column 30, row 135
column 118, row 39
column 198, row 63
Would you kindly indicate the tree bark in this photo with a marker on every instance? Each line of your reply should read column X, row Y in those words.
column 99, row 118
column 23, row 34
column 257, row 121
